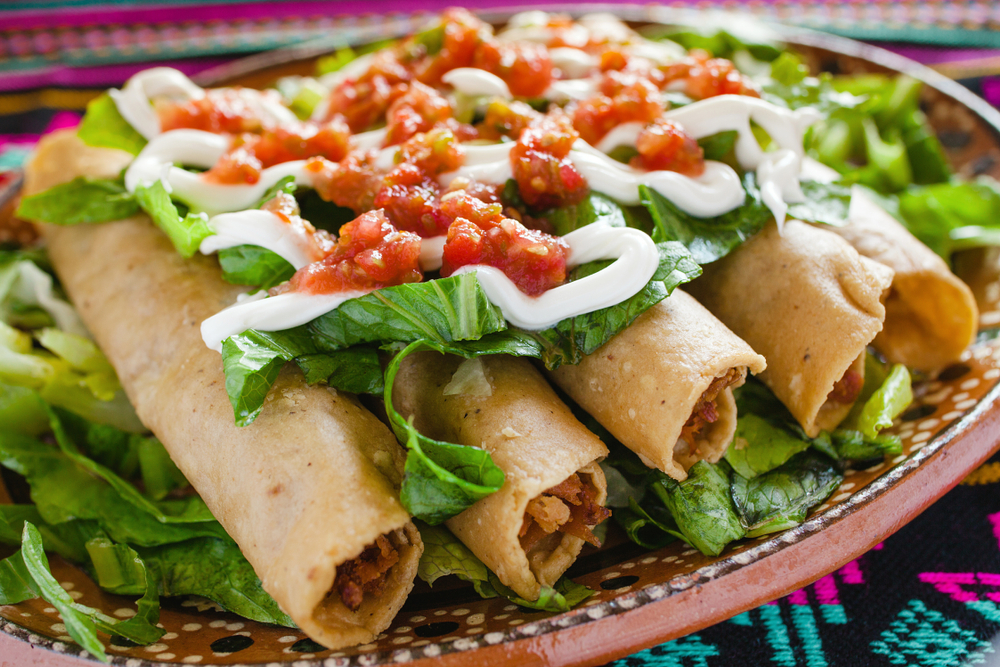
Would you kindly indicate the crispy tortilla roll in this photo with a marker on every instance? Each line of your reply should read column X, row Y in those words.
column 311, row 499
column 531, row 530
column 930, row 315
column 807, row 301
column 664, row 386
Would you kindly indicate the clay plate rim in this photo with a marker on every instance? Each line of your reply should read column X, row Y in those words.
column 763, row 572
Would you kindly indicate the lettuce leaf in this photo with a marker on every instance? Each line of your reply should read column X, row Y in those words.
column 185, row 233
column 103, row 126
column 790, row 87
column 16, row 583
column 826, row 203
column 708, row 239
column 82, row 200
column 952, row 216
column 445, row 555
column 573, row 338
column 356, row 370
column 649, row 525
column 64, row 491
column 441, row 311
column 702, row 507
column 592, row 208
column 760, row 446
column 254, row 266
column 781, row 498
column 441, row 479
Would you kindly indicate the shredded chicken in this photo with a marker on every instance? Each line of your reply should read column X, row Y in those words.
column 365, row 574
column 569, row 507
column 705, row 410
column 847, row 388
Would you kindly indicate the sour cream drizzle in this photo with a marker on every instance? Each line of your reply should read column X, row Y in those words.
column 636, row 260
column 134, row 99
column 202, row 149
column 259, row 228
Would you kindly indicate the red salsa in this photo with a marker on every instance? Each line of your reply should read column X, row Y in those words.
column 369, row 254
column 480, row 234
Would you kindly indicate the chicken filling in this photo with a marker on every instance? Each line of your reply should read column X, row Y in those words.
column 569, row 507
column 367, row 573
column 706, row 409
column 848, row 388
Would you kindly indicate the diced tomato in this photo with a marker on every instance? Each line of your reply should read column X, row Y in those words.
column 706, row 77
column 410, row 202
column 351, row 183
column 544, row 174
column 221, row 110
column 847, row 388
column 613, row 60
column 370, row 254
column 625, row 98
column 506, row 118
column 434, row 152
column 525, row 68
column 664, row 145
column 419, row 109
column 480, row 234
column 251, row 153
column 462, row 33
column 363, row 102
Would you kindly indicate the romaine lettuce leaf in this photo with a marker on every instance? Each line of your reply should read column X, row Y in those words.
column 826, row 203
column 356, row 370
column 760, row 446
column 82, row 200
column 952, row 216
column 254, row 266
column 702, row 507
column 16, row 583
column 441, row 479
column 441, row 311
column 103, row 126
column 185, row 233
column 708, row 239
column 445, row 555
column 592, row 208
column 649, row 525
column 781, row 498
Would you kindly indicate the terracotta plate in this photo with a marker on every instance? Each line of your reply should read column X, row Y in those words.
column 643, row 597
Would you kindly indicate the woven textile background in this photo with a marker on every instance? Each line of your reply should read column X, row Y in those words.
column 928, row 596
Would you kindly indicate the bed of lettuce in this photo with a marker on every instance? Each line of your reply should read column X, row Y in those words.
column 873, row 133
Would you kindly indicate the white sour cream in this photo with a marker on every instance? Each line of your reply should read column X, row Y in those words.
column 713, row 193
column 134, row 99
column 573, row 63
column 259, row 228
column 476, row 82
column 202, row 149
column 273, row 313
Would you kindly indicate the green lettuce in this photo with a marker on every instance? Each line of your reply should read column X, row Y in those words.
column 781, row 498
column 702, row 507
column 952, row 216
column 186, row 233
column 103, row 126
column 707, row 239
column 445, row 555
column 441, row 479
column 760, row 446
column 254, row 266
column 82, row 200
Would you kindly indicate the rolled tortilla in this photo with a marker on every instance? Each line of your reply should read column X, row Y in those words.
column 649, row 381
column 807, row 301
column 305, row 489
column 930, row 315
column 530, row 434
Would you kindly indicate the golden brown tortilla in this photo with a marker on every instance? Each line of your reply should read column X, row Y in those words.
column 930, row 315
column 807, row 301
column 300, row 494
column 530, row 434
column 643, row 384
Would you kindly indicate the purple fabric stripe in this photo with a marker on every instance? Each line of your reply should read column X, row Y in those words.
column 96, row 77
column 991, row 92
column 108, row 14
